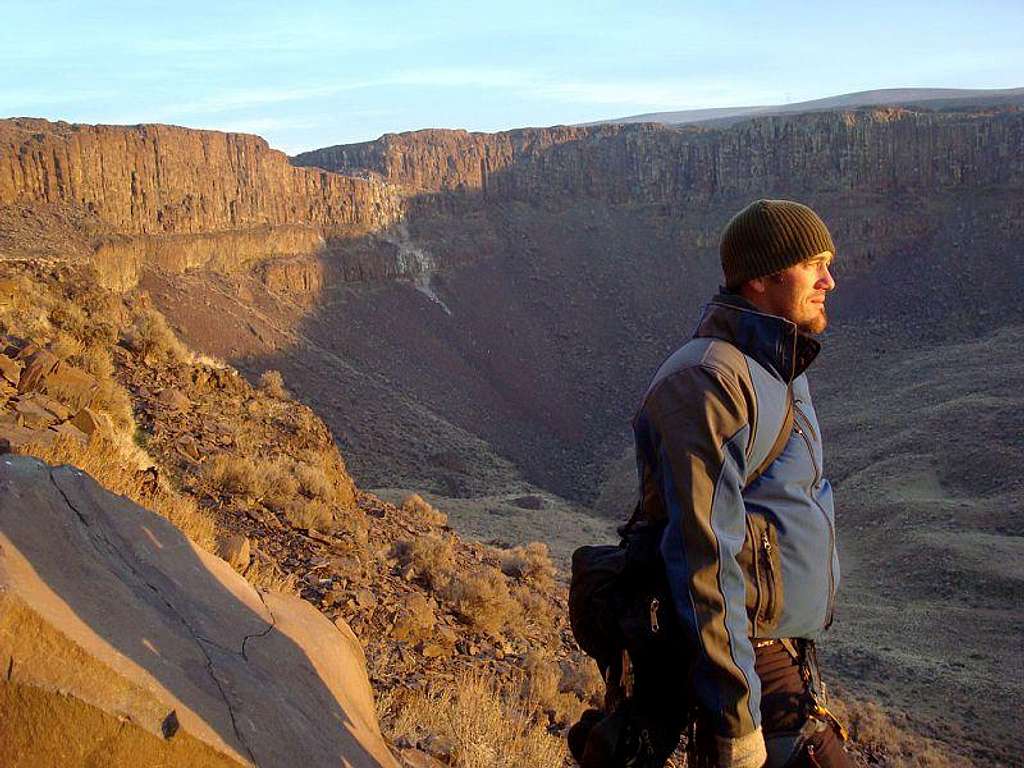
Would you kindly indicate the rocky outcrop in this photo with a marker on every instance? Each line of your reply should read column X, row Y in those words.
column 180, row 198
column 868, row 150
column 161, row 179
column 120, row 639
column 448, row 160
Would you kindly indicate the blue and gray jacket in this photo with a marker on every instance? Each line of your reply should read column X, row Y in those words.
column 743, row 561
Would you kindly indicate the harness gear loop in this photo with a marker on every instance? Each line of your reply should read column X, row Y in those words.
column 808, row 660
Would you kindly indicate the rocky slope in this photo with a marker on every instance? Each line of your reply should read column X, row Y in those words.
column 91, row 378
column 451, row 629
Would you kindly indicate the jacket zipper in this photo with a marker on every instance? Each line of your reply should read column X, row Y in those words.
column 766, row 545
column 758, row 609
column 807, row 421
column 830, row 607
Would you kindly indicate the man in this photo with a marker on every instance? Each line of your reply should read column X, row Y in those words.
column 729, row 455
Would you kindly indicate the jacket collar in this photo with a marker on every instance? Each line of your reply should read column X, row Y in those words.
column 772, row 341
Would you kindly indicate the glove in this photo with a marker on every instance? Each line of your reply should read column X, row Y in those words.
column 743, row 752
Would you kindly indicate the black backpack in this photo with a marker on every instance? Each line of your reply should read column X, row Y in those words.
column 621, row 613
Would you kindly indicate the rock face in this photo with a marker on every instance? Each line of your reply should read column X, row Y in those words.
column 160, row 179
column 150, row 651
column 871, row 149
column 182, row 198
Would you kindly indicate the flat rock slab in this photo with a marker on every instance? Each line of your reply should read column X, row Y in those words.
column 108, row 609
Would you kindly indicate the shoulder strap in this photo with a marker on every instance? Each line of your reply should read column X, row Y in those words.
column 777, row 448
column 780, row 441
column 634, row 519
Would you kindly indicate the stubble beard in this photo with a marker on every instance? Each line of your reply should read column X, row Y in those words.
column 816, row 324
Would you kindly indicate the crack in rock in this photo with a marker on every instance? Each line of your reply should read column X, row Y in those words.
column 199, row 640
column 265, row 632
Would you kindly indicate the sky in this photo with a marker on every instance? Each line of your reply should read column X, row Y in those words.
column 311, row 74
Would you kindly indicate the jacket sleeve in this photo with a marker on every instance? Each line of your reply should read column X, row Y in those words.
column 692, row 433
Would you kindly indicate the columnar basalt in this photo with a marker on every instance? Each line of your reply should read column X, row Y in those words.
column 181, row 199
column 160, row 179
column 864, row 150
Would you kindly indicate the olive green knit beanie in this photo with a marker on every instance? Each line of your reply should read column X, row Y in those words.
column 769, row 235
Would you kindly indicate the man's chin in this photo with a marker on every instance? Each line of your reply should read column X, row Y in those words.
column 815, row 325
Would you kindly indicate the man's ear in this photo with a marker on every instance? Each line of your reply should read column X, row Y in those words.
column 756, row 286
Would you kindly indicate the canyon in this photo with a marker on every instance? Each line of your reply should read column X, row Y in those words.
column 476, row 315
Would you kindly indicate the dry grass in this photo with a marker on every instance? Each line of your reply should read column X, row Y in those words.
column 153, row 338
column 422, row 510
column 537, row 609
column 99, row 458
column 185, row 515
column 69, row 317
column 489, row 724
column 481, row 599
column 96, row 361
column 306, row 514
column 314, row 482
column 28, row 313
column 112, row 399
column 65, row 346
column 280, row 486
column 875, row 731
column 115, row 466
column 429, row 557
column 545, row 684
column 272, row 382
column 532, row 563
column 232, row 475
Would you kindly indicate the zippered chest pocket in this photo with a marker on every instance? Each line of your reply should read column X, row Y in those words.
column 804, row 427
column 767, row 573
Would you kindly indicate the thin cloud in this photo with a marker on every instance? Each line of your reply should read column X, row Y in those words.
column 23, row 98
column 259, row 125
column 455, row 77
column 639, row 93
column 249, row 98
column 279, row 41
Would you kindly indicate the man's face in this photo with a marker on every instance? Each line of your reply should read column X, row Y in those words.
column 797, row 293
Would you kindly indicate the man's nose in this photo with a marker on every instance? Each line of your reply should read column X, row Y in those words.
column 826, row 281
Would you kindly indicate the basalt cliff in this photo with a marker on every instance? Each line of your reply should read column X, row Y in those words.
column 178, row 199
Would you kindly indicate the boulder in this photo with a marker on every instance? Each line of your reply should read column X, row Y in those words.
column 90, row 421
column 38, row 365
column 14, row 436
column 235, row 550
column 122, row 643
column 174, row 399
column 60, row 411
column 10, row 369
column 70, row 430
column 70, row 385
column 33, row 414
